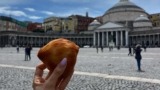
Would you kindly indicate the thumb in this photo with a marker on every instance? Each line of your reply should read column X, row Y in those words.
column 58, row 71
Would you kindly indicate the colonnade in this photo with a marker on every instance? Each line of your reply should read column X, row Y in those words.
column 119, row 38
column 150, row 40
column 38, row 41
column 103, row 38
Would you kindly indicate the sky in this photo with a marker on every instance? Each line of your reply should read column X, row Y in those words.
column 38, row 10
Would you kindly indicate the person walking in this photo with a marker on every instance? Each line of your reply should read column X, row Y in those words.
column 130, row 51
column 138, row 57
column 17, row 49
column 26, row 55
column 29, row 52
column 28, row 49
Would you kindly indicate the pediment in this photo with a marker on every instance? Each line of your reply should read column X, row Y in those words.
column 110, row 25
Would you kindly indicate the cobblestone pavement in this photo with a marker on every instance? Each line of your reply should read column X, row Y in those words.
column 115, row 63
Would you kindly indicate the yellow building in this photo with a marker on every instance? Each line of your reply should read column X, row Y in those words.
column 52, row 24
column 59, row 25
column 155, row 18
column 68, row 25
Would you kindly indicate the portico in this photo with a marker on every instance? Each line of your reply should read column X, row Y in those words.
column 111, row 33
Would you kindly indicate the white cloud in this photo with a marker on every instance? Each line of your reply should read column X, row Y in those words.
column 17, row 13
column 48, row 12
column 8, row 11
column 34, row 17
column 30, row 9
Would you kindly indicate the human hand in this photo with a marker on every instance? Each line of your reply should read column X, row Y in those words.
column 53, row 81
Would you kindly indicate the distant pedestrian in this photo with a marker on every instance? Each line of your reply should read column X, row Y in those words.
column 138, row 57
column 130, row 51
column 101, row 48
column 17, row 49
column 28, row 49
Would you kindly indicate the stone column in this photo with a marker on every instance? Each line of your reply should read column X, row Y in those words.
column 102, row 38
column 158, row 39
column 106, row 38
column 126, row 36
column 116, row 38
column 98, row 38
column 94, row 39
column 121, row 38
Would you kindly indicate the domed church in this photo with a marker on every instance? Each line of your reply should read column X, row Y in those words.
column 125, row 24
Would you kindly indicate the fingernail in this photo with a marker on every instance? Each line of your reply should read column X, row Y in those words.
column 63, row 62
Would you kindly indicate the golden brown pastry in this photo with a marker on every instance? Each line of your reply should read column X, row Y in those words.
column 52, row 53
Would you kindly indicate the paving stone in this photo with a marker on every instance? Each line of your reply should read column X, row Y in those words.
column 112, row 63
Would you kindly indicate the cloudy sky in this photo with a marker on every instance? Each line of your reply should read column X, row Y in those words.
column 37, row 10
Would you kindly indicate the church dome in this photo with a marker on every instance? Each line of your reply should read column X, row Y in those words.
column 94, row 25
column 142, row 18
column 142, row 21
column 124, row 5
column 95, row 22
column 124, row 10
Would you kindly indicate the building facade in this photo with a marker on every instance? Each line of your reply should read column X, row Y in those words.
column 155, row 18
column 11, row 24
column 81, row 22
column 73, row 24
column 52, row 24
column 34, row 26
column 126, row 24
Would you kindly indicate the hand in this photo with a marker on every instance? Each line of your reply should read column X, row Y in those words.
column 52, row 81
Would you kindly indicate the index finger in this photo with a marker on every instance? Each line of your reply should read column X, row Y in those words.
column 38, row 75
column 39, row 70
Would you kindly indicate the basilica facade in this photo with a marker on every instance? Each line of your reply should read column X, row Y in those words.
column 125, row 24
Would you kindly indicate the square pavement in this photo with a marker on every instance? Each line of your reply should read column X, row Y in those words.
column 107, row 70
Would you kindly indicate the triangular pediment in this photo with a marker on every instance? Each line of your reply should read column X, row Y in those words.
column 110, row 25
